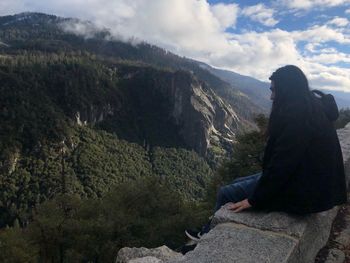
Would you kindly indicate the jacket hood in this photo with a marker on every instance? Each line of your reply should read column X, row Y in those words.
column 329, row 105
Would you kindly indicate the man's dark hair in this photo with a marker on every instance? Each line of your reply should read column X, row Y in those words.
column 294, row 99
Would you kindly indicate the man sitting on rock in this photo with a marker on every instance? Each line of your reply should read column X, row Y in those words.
column 303, row 170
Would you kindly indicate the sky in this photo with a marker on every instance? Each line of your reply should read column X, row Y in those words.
column 249, row 37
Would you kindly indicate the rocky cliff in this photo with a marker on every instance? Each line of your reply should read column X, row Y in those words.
column 168, row 100
column 173, row 98
column 203, row 119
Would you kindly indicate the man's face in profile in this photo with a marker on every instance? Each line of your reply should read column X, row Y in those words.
column 272, row 88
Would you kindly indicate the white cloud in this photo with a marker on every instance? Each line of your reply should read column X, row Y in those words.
column 260, row 13
column 309, row 4
column 331, row 78
column 339, row 21
column 226, row 14
column 347, row 11
column 312, row 47
column 321, row 34
column 257, row 54
column 196, row 29
column 328, row 50
column 329, row 57
column 260, row 53
column 179, row 25
column 11, row 7
column 82, row 28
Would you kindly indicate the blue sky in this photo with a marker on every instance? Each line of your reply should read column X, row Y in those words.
column 249, row 37
column 288, row 20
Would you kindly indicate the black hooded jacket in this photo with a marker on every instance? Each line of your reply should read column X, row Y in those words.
column 303, row 170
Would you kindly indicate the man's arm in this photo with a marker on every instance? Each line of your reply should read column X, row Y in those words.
column 288, row 151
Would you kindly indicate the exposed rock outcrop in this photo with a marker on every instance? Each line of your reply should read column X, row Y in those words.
column 337, row 249
column 145, row 255
column 205, row 119
column 153, row 100
column 263, row 237
column 93, row 114
column 8, row 165
column 335, row 256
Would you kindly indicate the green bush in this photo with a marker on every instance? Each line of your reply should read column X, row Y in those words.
column 70, row 229
column 343, row 119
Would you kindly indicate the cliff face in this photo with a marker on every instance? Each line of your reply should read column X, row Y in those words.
column 166, row 102
column 157, row 106
column 143, row 94
column 93, row 114
column 205, row 119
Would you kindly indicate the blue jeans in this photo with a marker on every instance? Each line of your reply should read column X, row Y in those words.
column 238, row 190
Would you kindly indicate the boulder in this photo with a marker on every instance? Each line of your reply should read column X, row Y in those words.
column 147, row 259
column 335, row 256
column 145, row 255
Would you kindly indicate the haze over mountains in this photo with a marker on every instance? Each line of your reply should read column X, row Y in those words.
column 83, row 112
column 256, row 90
column 259, row 91
column 106, row 144
column 42, row 33
column 80, row 114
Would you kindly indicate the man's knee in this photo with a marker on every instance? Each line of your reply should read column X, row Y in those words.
column 222, row 193
column 232, row 193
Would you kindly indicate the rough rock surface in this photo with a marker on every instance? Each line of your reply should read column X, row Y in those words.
column 147, row 259
column 138, row 255
column 258, row 237
column 237, row 243
column 200, row 116
column 204, row 118
column 335, row 256
column 337, row 249
column 278, row 222
column 93, row 114
column 344, row 139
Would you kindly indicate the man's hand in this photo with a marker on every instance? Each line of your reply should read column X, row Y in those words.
column 239, row 206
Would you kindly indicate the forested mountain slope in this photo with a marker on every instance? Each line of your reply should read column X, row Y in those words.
column 80, row 114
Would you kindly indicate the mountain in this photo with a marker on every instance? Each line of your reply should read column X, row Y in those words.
column 342, row 98
column 256, row 90
column 81, row 113
column 45, row 34
column 70, row 124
